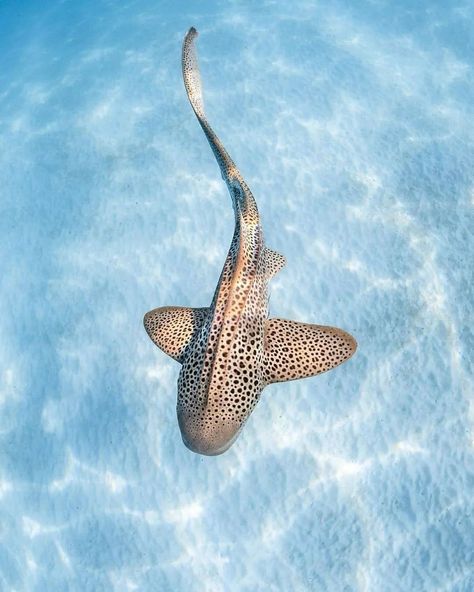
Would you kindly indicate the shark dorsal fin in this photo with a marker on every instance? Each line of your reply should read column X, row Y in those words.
column 273, row 262
column 296, row 350
column 171, row 328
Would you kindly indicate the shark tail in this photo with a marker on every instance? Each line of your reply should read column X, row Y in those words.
column 191, row 74
column 242, row 197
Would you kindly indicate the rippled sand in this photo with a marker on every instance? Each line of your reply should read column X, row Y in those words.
column 353, row 128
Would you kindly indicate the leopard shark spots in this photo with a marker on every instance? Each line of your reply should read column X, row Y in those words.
column 230, row 351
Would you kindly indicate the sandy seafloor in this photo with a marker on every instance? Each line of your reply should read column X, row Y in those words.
column 352, row 122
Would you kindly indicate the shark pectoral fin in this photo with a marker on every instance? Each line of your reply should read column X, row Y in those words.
column 172, row 327
column 273, row 262
column 297, row 350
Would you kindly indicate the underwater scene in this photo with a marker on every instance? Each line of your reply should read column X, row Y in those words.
column 352, row 125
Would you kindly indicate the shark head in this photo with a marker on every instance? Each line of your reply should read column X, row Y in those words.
column 212, row 406
column 207, row 433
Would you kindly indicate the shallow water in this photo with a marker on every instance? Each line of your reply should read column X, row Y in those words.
column 353, row 127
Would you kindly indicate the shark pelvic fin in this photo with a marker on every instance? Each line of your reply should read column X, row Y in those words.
column 296, row 350
column 273, row 262
column 172, row 327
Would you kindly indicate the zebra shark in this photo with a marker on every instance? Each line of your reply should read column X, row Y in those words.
column 230, row 351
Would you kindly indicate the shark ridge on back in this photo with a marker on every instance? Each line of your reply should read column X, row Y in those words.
column 230, row 351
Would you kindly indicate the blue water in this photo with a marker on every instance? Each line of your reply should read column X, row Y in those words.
column 352, row 123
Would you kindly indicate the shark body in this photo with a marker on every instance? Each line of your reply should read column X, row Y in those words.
column 231, row 350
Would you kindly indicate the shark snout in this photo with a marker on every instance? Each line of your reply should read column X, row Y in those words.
column 207, row 436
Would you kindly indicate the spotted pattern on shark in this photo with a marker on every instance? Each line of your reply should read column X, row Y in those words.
column 231, row 351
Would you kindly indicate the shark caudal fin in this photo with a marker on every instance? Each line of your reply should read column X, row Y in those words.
column 191, row 74
column 171, row 328
column 242, row 198
column 297, row 350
